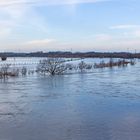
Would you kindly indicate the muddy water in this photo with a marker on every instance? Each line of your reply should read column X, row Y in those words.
column 103, row 105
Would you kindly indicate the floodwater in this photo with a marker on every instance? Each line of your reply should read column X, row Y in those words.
column 103, row 105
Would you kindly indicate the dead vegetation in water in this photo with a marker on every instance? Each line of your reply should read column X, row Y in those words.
column 52, row 66
column 59, row 66
column 111, row 63
column 56, row 66
column 7, row 71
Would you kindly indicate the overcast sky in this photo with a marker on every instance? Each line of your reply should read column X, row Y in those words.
column 65, row 25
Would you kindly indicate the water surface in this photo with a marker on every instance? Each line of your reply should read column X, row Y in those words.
column 103, row 105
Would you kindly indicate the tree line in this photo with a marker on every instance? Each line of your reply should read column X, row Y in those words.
column 74, row 55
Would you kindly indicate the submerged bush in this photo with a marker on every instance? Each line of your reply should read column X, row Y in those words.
column 24, row 71
column 111, row 63
column 6, row 71
column 84, row 66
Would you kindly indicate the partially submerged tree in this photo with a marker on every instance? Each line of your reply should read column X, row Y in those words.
column 4, row 70
column 24, row 71
column 84, row 66
column 70, row 66
column 52, row 66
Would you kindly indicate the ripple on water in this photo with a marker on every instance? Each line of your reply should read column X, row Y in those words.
column 103, row 105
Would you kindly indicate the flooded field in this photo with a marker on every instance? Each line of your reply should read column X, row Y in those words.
column 102, row 105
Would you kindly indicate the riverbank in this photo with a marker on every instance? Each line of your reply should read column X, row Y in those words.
column 74, row 54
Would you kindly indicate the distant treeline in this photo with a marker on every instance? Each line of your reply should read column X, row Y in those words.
column 73, row 55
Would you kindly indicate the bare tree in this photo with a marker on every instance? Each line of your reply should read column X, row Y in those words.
column 4, row 70
column 24, row 71
column 70, row 66
column 52, row 66
column 84, row 66
column 14, row 72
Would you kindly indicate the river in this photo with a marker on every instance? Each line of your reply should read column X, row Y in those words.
column 102, row 105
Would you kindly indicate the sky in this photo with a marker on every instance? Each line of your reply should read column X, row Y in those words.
column 69, row 25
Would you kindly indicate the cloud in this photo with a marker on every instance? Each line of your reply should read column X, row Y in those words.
column 15, row 16
column 22, row 13
column 10, row 17
column 41, row 42
column 129, row 43
column 124, row 26
column 7, row 3
column 31, row 45
column 103, row 37
column 6, row 31
column 5, row 28
column 137, row 33
column 129, row 31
